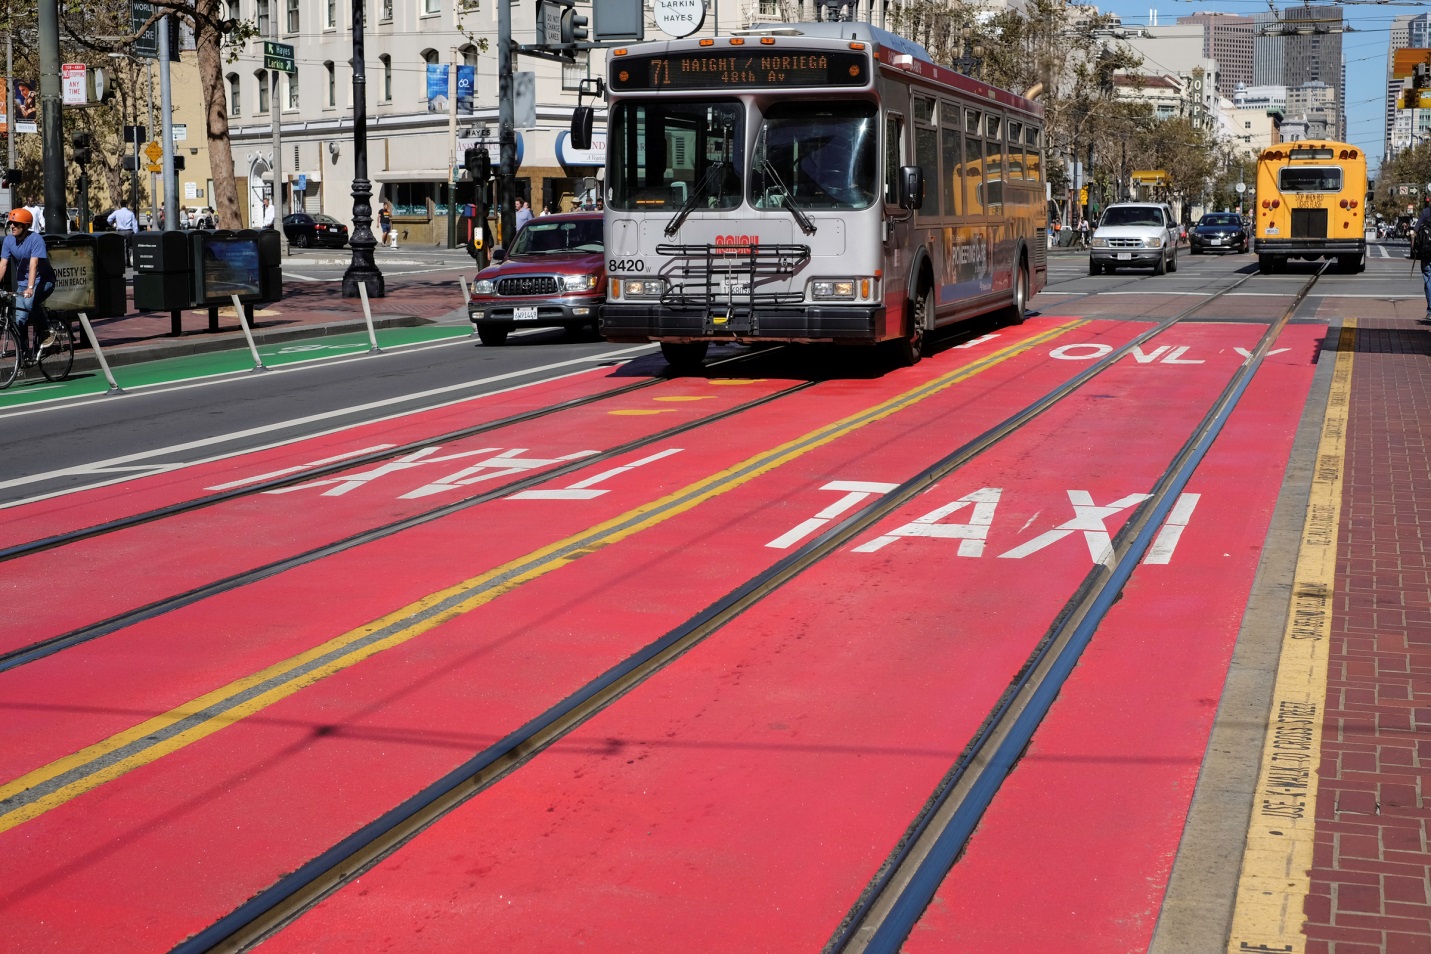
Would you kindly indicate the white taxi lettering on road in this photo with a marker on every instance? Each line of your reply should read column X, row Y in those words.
column 1087, row 517
column 971, row 535
column 855, row 491
column 1167, row 539
column 586, row 489
column 274, row 474
column 337, row 486
column 505, row 464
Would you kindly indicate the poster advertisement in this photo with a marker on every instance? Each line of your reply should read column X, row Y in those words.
column 27, row 105
column 74, row 279
column 4, row 107
column 228, row 266
column 437, row 88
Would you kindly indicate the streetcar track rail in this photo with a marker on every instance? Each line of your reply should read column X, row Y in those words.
column 54, row 644
column 123, row 523
column 895, row 899
column 270, row 909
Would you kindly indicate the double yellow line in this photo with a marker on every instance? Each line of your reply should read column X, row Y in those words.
column 54, row 784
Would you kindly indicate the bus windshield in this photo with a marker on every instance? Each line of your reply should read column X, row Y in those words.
column 676, row 155
column 1309, row 179
column 816, row 155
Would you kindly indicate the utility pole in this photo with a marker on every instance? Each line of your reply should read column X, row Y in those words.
column 10, row 129
column 166, row 117
column 275, row 111
column 506, row 120
column 52, row 129
column 452, row 150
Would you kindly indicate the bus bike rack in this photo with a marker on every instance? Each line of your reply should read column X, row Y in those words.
column 721, row 281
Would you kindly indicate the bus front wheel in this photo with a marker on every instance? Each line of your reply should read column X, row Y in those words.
column 909, row 349
column 684, row 355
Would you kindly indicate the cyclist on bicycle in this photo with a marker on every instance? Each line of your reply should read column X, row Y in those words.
column 34, row 277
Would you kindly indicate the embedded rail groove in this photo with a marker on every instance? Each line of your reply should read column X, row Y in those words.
column 271, row 909
column 891, row 905
column 54, row 644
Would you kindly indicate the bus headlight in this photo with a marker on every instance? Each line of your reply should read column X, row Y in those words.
column 643, row 287
column 577, row 283
column 844, row 288
column 1098, row 243
column 483, row 286
column 1152, row 243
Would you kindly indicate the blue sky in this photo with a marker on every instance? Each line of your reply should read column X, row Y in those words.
column 1363, row 51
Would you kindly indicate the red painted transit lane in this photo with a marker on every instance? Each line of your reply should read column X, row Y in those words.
column 1085, row 830
column 156, row 560
column 82, row 509
column 747, row 794
column 272, row 789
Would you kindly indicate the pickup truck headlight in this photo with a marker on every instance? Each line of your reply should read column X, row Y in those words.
column 576, row 283
column 483, row 286
column 1152, row 243
column 1098, row 243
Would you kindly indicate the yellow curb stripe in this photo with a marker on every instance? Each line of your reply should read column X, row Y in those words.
column 1277, row 862
column 489, row 585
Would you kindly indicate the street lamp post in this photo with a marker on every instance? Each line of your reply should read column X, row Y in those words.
column 363, row 270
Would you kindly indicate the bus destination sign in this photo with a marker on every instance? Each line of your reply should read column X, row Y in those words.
column 729, row 68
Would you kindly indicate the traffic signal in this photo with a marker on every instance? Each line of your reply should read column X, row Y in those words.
column 178, row 163
column 478, row 163
column 79, row 148
column 10, row 178
column 573, row 26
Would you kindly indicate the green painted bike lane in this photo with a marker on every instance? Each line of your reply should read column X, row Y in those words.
column 31, row 387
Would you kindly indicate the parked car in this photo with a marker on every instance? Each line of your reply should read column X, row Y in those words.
column 1218, row 232
column 304, row 230
column 554, row 275
column 1135, row 234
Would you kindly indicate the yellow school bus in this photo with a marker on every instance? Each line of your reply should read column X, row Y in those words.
column 1311, row 204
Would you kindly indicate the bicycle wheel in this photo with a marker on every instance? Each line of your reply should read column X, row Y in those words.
column 56, row 360
column 10, row 352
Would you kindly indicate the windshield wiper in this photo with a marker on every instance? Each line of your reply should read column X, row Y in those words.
column 713, row 173
column 801, row 218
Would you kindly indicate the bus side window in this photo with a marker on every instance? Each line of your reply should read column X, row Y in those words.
column 953, row 173
column 893, row 157
column 926, row 155
column 974, row 178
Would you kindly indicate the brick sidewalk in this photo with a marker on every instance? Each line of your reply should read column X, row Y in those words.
column 1371, row 869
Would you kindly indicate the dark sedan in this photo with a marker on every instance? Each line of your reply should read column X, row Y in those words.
column 322, row 230
column 1218, row 232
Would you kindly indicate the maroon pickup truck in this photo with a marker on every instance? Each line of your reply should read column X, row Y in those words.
column 554, row 275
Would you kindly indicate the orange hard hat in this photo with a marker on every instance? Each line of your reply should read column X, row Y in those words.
column 22, row 216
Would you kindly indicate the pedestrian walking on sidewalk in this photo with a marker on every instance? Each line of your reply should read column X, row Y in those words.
column 1421, row 250
column 385, row 220
column 125, row 223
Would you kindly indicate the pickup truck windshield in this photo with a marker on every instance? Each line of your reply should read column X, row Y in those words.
column 1133, row 215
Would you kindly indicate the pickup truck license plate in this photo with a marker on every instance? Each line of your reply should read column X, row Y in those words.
column 524, row 314
column 1125, row 256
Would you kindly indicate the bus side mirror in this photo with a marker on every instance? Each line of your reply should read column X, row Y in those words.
column 581, row 122
column 911, row 187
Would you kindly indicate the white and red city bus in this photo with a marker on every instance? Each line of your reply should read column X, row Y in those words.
column 814, row 183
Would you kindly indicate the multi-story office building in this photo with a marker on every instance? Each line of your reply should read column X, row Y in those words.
column 1297, row 46
column 1227, row 38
